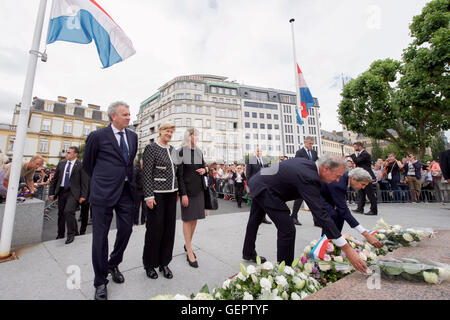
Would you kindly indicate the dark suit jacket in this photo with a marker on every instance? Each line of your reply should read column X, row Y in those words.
column 104, row 163
column 364, row 160
column 253, row 166
column 190, row 182
column 295, row 178
column 301, row 153
column 333, row 199
column 444, row 163
column 79, row 186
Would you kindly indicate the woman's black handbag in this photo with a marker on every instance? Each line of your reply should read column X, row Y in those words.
column 211, row 202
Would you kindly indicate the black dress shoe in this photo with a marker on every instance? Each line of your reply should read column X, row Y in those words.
column 59, row 237
column 370, row 213
column 151, row 273
column 82, row 233
column 192, row 264
column 70, row 239
column 166, row 272
column 358, row 211
column 101, row 293
column 296, row 222
column 266, row 221
column 117, row 276
column 253, row 258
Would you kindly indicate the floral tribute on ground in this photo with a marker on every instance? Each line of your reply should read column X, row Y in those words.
column 323, row 263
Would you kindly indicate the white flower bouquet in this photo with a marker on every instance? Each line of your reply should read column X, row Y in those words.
column 413, row 270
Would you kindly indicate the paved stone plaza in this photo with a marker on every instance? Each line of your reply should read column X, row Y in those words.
column 40, row 271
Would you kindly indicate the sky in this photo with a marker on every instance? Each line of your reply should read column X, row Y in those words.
column 248, row 41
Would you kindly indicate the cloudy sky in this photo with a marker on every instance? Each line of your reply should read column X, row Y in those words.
column 245, row 40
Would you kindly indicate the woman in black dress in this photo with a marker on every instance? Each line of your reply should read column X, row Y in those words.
column 192, row 169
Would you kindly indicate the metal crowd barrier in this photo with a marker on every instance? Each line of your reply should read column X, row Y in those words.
column 42, row 194
column 403, row 196
column 225, row 188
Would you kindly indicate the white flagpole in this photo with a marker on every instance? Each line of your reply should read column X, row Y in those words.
column 297, row 88
column 19, row 143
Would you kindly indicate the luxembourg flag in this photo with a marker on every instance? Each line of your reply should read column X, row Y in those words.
column 80, row 21
column 306, row 99
column 318, row 252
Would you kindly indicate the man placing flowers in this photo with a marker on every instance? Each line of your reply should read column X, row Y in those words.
column 294, row 178
column 333, row 199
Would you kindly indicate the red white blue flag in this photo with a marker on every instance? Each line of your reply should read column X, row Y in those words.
column 82, row 21
column 306, row 99
column 319, row 250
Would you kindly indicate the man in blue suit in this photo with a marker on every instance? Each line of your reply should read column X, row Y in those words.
column 333, row 199
column 108, row 159
column 290, row 180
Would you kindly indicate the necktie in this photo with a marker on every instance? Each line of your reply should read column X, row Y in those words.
column 309, row 155
column 67, row 176
column 124, row 147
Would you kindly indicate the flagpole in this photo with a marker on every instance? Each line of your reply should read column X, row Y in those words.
column 297, row 88
column 19, row 143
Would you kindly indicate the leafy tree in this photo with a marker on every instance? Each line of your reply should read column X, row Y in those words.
column 392, row 148
column 376, row 150
column 405, row 102
column 437, row 146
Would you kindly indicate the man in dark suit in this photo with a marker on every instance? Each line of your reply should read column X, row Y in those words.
column 309, row 153
column 444, row 163
column 333, row 197
column 364, row 160
column 294, row 178
column 108, row 159
column 253, row 167
column 70, row 186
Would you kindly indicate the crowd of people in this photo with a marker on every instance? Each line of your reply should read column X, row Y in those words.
column 109, row 181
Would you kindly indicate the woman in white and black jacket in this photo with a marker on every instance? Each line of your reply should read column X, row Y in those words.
column 160, row 190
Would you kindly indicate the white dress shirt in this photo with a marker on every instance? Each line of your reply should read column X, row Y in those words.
column 65, row 168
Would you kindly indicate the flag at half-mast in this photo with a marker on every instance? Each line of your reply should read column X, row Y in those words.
column 82, row 21
column 306, row 99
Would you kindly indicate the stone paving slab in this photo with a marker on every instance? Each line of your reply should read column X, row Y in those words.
column 40, row 271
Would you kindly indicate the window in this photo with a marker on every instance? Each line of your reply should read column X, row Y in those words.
column 233, row 92
column 188, row 109
column 221, row 125
column 276, row 127
column 178, row 123
column 88, row 113
column 187, row 96
column 255, row 125
column 255, row 136
column 230, row 125
column 262, row 126
column 46, row 125
column 87, row 130
column 269, row 137
column 207, row 110
column 214, row 99
column 247, row 136
column 277, row 137
column 234, row 101
column 263, row 137
column 227, row 91
column 247, row 124
column 269, row 126
column 11, row 143
column 43, row 146
column 198, row 109
column 198, row 97
column 269, row 116
column 177, row 109
column 179, row 96
column 65, row 146
column 247, row 147
column 49, row 107
column 227, row 100
column 247, row 114
column 198, row 123
column 68, row 127
column 208, row 123
column 275, row 117
column 69, row 110
column 261, row 115
column 213, row 89
column 254, row 115
column 220, row 90
column 221, row 100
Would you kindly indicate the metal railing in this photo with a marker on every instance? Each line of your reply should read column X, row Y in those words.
column 403, row 196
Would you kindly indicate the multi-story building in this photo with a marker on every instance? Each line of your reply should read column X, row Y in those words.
column 335, row 144
column 209, row 103
column 233, row 119
column 53, row 127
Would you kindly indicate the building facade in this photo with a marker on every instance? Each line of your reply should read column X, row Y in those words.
column 53, row 127
column 335, row 144
column 233, row 119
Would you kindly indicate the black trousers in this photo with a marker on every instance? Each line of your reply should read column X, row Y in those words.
column 160, row 233
column 239, row 192
column 140, row 204
column 101, row 222
column 84, row 215
column 296, row 208
column 279, row 213
column 67, row 206
column 368, row 190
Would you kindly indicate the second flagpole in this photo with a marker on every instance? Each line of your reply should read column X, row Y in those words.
column 297, row 88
